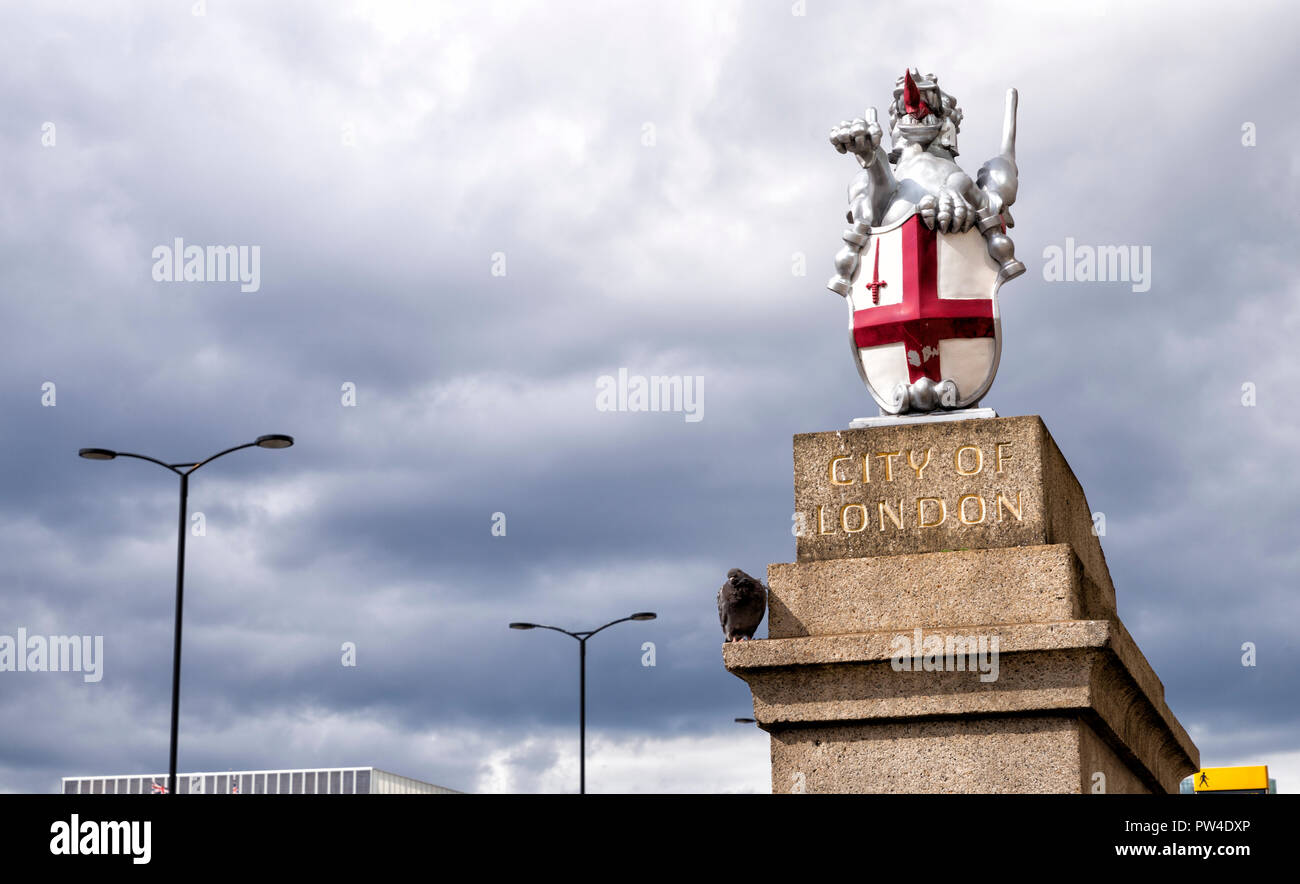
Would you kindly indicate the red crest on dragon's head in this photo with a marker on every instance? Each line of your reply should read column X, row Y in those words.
column 913, row 103
column 921, row 111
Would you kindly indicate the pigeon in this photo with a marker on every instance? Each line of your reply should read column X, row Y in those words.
column 742, row 601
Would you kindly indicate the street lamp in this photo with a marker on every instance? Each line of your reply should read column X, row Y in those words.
column 274, row 440
column 582, row 682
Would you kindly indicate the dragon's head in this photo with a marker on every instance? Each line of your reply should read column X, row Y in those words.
column 922, row 113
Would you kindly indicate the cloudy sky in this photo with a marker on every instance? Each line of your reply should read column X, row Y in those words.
column 473, row 211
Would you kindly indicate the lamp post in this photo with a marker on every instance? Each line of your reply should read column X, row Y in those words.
column 274, row 440
column 582, row 681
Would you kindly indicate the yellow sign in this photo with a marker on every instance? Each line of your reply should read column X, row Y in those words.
column 1231, row 779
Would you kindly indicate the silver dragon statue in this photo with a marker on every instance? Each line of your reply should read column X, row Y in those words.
column 920, row 177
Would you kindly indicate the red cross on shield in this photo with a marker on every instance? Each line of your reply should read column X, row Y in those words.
column 928, row 310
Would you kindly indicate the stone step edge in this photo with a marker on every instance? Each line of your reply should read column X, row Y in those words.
column 850, row 648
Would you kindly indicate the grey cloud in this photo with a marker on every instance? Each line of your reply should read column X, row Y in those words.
column 482, row 131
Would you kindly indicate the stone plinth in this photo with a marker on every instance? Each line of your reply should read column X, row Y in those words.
column 950, row 626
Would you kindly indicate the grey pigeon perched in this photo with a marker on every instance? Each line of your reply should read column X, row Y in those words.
column 742, row 601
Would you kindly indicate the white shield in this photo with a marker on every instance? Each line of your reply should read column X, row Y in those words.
column 925, row 306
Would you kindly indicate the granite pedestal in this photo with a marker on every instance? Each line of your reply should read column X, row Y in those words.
column 949, row 625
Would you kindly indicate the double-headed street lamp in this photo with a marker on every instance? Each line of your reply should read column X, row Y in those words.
column 582, row 682
column 274, row 440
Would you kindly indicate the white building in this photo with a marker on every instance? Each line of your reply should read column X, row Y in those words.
column 306, row 781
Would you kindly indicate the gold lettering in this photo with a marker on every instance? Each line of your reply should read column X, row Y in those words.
column 844, row 519
column 866, row 468
column 821, row 521
column 895, row 517
column 920, row 512
column 912, row 462
column 1000, row 456
column 979, row 460
column 1015, row 511
column 961, row 509
column 830, row 471
column 889, row 463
